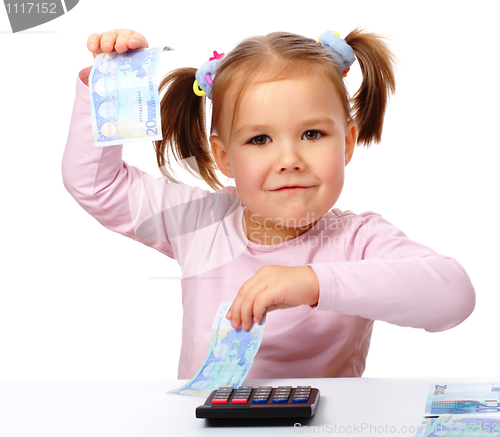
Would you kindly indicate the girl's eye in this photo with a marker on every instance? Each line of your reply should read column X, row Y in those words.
column 312, row 135
column 259, row 140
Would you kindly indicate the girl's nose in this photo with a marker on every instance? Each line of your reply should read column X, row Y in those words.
column 289, row 159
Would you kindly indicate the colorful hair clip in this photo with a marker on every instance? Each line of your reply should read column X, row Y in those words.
column 206, row 74
column 342, row 53
column 216, row 56
column 197, row 90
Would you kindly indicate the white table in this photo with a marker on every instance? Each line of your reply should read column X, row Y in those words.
column 348, row 406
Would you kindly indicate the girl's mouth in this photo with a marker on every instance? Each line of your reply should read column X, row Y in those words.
column 291, row 189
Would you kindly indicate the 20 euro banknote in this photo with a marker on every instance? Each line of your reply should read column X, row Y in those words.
column 460, row 425
column 229, row 359
column 479, row 399
column 124, row 98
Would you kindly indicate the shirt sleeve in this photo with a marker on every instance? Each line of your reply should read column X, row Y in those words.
column 386, row 276
column 121, row 197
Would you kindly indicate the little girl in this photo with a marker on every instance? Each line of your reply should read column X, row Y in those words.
column 284, row 129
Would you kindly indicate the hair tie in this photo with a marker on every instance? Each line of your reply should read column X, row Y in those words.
column 206, row 74
column 342, row 53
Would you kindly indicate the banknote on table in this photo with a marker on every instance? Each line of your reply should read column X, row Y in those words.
column 124, row 99
column 460, row 425
column 478, row 399
column 229, row 358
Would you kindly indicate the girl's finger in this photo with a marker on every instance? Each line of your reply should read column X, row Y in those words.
column 137, row 41
column 246, row 314
column 262, row 302
column 248, row 303
column 94, row 43
column 234, row 312
column 108, row 40
column 127, row 39
column 122, row 40
column 234, row 315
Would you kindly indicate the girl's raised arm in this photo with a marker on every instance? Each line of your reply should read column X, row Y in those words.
column 121, row 197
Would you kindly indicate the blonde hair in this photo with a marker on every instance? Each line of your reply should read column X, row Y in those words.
column 276, row 56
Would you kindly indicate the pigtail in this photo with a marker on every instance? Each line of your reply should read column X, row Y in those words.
column 370, row 101
column 184, row 128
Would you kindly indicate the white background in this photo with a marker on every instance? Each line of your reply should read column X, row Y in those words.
column 78, row 302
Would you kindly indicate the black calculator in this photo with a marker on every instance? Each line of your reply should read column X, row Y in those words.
column 260, row 402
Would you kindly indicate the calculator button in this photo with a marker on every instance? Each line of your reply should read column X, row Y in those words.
column 246, row 387
column 219, row 401
column 285, row 386
column 304, row 386
column 239, row 400
column 259, row 400
column 299, row 399
column 230, row 389
column 280, row 400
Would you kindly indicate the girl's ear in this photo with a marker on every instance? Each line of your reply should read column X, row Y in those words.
column 220, row 155
column 350, row 140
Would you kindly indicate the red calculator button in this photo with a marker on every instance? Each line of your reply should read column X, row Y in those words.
column 239, row 401
column 219, row 401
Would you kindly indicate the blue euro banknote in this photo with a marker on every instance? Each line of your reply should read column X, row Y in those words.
column 124, row 98
column 460, row 425
column 480, row 399
column 229, row 358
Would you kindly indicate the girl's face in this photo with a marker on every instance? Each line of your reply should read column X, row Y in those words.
column 288, row 149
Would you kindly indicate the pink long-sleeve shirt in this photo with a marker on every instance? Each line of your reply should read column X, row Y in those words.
column 367, row 269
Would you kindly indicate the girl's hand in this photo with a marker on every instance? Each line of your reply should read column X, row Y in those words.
column 272, row 288
column 119, row 40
